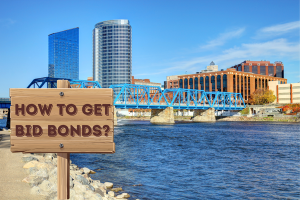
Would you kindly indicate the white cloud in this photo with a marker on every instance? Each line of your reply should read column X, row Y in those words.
column 278, row 29
column 227, row 58
column 222, row 39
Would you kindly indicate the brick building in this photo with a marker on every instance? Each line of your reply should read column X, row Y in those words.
column 231, row 80
column 261, row 67
column 172, row 82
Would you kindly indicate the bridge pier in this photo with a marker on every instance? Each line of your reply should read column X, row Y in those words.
column 115, row 116
column 162, row 116
column 204, row 115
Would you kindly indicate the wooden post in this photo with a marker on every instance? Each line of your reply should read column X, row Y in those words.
column 63, row 163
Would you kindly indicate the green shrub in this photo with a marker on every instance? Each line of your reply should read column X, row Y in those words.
column 245, row 111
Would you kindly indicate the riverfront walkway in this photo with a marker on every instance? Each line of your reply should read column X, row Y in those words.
column 12, row 173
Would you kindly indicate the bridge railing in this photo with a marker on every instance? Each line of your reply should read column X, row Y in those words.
column 143, row 96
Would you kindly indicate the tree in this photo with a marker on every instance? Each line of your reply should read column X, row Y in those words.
column 261, row 97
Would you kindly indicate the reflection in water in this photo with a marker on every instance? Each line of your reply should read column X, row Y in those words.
column 224, row 160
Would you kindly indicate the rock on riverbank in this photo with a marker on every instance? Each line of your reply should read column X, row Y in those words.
column 277, row 119
column 42, row 177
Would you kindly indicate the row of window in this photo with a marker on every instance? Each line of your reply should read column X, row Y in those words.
column 115, row 60
column 115, row 40
column 119, row 33
column 119, row 74
column 115, row 67
column 117, row 49
column 108, row 54
column 116, row 26
column 111, row 57
column 117, row 70
column 111, row 47
column 116, row 37
column 107, row 64
column 279, row 71
column 194, row 82
column 118, row 77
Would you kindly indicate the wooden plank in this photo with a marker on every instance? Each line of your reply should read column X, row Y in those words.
column 97, row 92
column 33, row 141
column 80, row 147
column 63, row 162
column 75, row 96
column 79, row 101
column 54, row 114
column 63, row 175
column 95, row 130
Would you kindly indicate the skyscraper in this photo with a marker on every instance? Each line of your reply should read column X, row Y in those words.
column 112, row 52
column 64, row 54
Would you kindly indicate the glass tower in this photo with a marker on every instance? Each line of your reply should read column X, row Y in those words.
column 64, row 54
column 112, row 52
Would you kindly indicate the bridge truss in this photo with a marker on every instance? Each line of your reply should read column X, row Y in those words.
column 147, row 97
column 51, row 83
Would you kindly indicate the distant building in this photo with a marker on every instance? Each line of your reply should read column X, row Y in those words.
column 285, row 93
column 172, row 82
column 228, row 80
column 112, row 52
column 261, row 67
column 145, row 82
column 63, row 54
column 148, row 83
column 210, row 68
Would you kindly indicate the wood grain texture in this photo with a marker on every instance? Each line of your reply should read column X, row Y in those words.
column 63, row 176
column 76, row 147
column 72, row 142
column 63, row 163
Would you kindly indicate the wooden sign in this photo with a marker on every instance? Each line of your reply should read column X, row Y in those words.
column 62, row 120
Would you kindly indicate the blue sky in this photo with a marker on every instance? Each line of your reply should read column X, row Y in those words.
column 169, row 37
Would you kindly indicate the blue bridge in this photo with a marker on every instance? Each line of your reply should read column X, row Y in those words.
column 151, row 97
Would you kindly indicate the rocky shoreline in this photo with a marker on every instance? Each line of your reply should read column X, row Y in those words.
column 42, row 178
column 261, row 119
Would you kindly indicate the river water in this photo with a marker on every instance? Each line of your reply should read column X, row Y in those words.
column 223, row 160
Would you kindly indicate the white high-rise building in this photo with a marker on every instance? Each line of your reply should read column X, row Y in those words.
column 112, row 52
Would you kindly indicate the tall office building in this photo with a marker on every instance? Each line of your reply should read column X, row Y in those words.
column 64, row 54
column 112, row 52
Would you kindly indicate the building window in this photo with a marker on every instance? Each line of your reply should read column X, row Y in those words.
column 191, row 83
column 239, row 68
column 224, row 83
column 279, row 72
column 206, row 84
column 270, row 71
column 248, row 86
column 256, row 84
column 259, row 83
column 242, row 85
column 218, row 83
column 185, row 83
column 196, row 83
column 201, row 83
column 254, row 69
column 238, row 84
column 180, row 83
column 213, row 85
column 246, row 68
column 263, row 70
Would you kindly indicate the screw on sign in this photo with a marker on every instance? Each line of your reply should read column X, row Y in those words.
column 62, row 120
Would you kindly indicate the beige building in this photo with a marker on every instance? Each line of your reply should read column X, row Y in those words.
column 285, row 93
column 211, row 68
